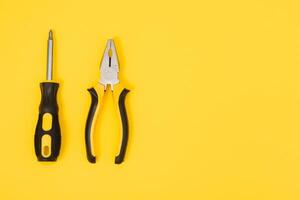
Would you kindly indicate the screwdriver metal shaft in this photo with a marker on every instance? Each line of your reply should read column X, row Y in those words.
column 50, row 56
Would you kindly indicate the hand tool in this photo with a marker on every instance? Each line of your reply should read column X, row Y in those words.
column 109, row 70
column 47, row 138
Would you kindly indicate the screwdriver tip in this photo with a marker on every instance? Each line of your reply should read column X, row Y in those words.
column 50, row 34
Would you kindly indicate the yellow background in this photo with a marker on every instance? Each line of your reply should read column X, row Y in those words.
column 214, row 105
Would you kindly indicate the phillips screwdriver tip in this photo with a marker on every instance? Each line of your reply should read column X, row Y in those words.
column 50, row 34
column 50, row 56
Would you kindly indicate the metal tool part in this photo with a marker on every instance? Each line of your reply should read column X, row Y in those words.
column 50, row 56
column 109, row 67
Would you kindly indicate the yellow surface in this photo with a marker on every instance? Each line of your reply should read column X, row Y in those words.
column 214, row 105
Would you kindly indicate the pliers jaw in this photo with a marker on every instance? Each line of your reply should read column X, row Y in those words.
column 109, row 68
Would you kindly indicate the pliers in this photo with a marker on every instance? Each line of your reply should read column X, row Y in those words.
column 109, row 80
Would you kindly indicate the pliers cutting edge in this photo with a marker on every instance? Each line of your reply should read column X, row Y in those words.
column 109, row 70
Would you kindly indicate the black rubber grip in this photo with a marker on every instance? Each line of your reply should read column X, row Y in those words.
column 48, row 105
column 120, row 158
column 88, row 126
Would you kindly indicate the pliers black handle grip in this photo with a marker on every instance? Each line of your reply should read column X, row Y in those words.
column 89, row 124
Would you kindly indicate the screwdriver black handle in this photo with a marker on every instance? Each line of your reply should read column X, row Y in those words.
column 47, row 139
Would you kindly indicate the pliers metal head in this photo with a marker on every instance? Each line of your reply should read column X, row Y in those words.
column 109, row 68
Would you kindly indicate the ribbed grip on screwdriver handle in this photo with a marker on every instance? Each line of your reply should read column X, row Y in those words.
column 47, row 139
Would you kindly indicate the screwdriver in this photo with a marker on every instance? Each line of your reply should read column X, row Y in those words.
column 47, row 138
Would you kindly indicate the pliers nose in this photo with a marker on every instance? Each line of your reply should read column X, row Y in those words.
column 109, row 68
